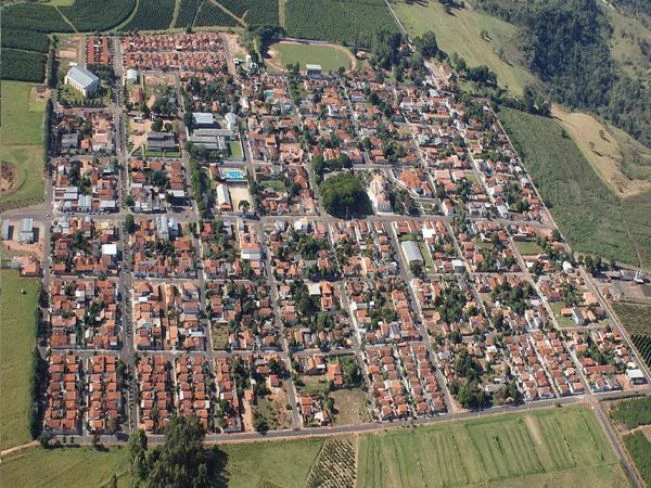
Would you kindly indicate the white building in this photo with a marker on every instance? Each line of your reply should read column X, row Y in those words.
column 82, row 80
column 378, row 195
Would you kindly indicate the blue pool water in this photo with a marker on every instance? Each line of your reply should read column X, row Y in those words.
column 234, row 174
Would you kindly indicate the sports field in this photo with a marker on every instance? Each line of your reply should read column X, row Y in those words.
column 330, row 57
column 17, row 342
column 22, row 143
column 546, row 448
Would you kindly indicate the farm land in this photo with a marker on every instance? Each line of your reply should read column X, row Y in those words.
column 632, row 418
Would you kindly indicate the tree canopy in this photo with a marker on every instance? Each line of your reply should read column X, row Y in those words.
column 344, row 195
column 181, row 462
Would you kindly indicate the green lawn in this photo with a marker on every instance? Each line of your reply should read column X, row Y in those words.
column 17, row 342
column 330, row 58
column 589, row 215
column 22, row 147
column 235, row 149
column 533, row 449
column 563, row 322
column 460, row 32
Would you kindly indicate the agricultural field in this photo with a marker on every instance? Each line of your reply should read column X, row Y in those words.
column 23, row 65
column 98, row 15
column 335, row 467
column 25, row 40
column 254, row 11
column 331, row 58
column 603, row 151
column 562, row 447
column 632, row 413
column 151, row 15
column 643, row 344
column 347, row 22
column 16, row 349
column 639, row 447
column 34, row 17
column 636, row 210
column 589, row 215
column 211, row 14
column 187, row 11
column 22, row 143
column 62, row 468
column 460, row 32
column 635, row 316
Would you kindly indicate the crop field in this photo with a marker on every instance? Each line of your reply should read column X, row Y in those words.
column 348, row 22
column 98, row 15
column 152, row 15
column 460, row 32
column 16, row 348
column 24, row 39
column 211, row 14
column 636, row 316
column 589, row 215
column 23, row 65
column 187, row 11
column 63, row 468
column 639, row 447
column 643, row 344
column 331, row 58
column 632, row 413
column 34, row 16
column 636, row 210
column 518, row 450
column 254, row 11
column 335, row 467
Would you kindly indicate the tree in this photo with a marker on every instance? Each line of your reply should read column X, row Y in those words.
column 427, row 45
column 344, row 195
column 129, row 223
column 181, row 462
column 244, row 206
column 44, row 439
column 169, row 127
column 157, row 125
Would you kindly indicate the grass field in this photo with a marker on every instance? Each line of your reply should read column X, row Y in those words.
column 460, row 32
column 331, row 58
column 546, row 448
column 632, row 413
column 22, row 142
column 271, row 464
column 350, row 406
column 592, row 218
column 69, row 468
column 603, row 151
column 17, row 342
column 527, row 248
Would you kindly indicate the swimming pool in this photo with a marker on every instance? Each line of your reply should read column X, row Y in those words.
column 234, row 174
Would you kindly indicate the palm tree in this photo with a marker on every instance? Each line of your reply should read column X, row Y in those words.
column 244, row 206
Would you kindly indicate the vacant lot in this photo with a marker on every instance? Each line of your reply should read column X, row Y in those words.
column 460, row 32
column 350, row 406
column 331, row 58
column 514, row 450
column 589, row 215
column 285, row 463
column 17, row 342
column 69, row 468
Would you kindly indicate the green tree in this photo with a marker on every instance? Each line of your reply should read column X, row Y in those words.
column 157, row 125
column 344, row 195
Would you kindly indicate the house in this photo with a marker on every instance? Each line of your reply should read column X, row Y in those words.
column 70, row 141
column 224, row 198
column 82, row 80
column 412, row 253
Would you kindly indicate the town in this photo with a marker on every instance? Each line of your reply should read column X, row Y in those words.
column 193, row 261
